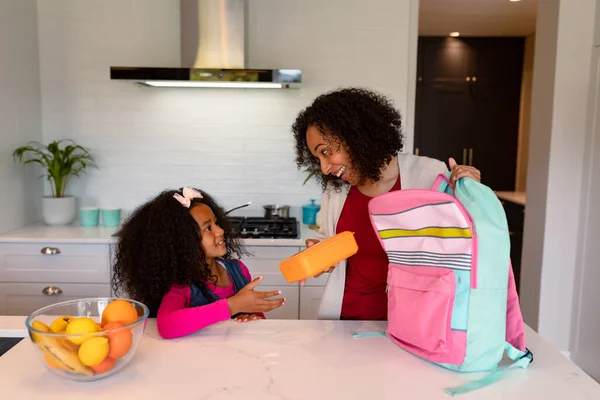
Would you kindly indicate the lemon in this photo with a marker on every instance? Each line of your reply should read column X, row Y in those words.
column 81, row 326
column 60, row 324
column 93, row 351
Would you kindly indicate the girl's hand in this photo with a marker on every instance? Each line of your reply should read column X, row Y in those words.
column 462, row 171
column 248, row 301
column 247, row 317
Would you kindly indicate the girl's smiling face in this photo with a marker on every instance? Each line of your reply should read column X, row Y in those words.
column 333, row 157
column 212, row 239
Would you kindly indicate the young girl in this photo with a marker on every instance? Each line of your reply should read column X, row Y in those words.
column 353, row 137
column 175, row 254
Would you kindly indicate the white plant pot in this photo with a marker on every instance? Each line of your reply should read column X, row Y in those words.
column 58, row 210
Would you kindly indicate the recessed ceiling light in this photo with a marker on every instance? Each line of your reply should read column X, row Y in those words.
column 455, row 34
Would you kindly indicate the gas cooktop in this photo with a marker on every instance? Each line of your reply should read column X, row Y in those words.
column 265, row 228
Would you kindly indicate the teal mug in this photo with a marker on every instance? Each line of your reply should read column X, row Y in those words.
column 111, row 217
column 89, row 216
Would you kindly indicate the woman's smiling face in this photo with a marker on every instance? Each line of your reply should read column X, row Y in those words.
column 333, row 157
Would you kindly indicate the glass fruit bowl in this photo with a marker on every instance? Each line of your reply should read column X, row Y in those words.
column 87, row 339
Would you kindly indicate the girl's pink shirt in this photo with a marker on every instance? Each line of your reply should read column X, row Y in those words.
column 176, row 318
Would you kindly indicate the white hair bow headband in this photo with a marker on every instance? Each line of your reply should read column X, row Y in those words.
column 188, row 195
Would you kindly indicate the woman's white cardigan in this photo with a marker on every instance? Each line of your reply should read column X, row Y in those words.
column 415, row 173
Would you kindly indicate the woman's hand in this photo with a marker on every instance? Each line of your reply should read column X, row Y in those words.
column 248, row 317
column 462, row 171
column 248, row 301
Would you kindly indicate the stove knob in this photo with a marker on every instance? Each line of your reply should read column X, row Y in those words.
column 244, row 231
column 255, row 231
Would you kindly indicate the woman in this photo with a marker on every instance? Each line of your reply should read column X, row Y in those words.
column 354, row 137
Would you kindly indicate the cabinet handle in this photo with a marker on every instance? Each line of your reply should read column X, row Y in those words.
column 464, row 156
column 468, row 78
column 52, row 291
column 420, row 79
column 50, row 250
column 471, row 156
column 417, row 151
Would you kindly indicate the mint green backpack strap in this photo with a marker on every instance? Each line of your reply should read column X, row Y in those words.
column 522, row 360
column 362, row 335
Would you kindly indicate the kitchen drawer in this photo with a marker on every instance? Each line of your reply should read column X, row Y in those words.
column 24, row 298
column 265, row 261
column 72, row 263
column 292, row 299
column 321, row 281
column 310, row 299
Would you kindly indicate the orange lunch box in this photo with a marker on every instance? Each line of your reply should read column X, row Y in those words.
column 319, row 257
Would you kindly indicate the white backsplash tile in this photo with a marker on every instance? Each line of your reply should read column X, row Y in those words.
column 235, row 144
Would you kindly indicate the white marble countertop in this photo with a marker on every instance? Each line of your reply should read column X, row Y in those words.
column 277, row 359
column 39, row 233
column 515, row 197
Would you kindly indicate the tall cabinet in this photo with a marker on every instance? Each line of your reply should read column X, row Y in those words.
column 467, row 104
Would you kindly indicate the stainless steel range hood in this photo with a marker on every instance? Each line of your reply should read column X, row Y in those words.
column 213, row 53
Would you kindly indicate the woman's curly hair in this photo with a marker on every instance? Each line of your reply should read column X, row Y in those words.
column 364, row 122
column 160, row 245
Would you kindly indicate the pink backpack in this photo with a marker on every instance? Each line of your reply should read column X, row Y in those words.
column 452, row 298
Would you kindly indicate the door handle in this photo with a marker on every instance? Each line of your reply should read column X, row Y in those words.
column 464, row 162
column 50, row 250
column 52, row 290
column 471, row 156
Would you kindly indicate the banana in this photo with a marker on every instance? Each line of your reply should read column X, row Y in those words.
column 40, row 326
column 69, row 345
column 63, row 357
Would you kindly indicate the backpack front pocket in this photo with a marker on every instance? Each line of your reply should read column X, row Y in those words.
column 420, row 304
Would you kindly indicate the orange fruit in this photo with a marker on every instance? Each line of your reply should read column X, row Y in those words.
column 119, row 341
column 51, row 362
column 106, row 365
column 119, row 311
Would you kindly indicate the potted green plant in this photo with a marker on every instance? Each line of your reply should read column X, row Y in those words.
column 311, row 173
column 60, row 165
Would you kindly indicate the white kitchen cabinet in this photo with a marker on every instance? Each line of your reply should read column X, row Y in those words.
column 57, row 262
column 265, row 261
column 310, row 298
column 79, row 263
column 35, row 274
column 24, row 298
column 301, row 302
column 292, row 299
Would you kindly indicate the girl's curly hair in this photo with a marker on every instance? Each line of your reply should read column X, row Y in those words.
column 364, row 122
column 160, row 245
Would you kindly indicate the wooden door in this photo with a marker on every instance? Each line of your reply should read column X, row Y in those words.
column 445, row 60
column 467, row 104
column 495, row 134
column 444, row 114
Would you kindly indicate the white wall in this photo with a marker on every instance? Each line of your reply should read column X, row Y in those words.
column 236, row 144
column 564, row 40
column 586, row 318
column 19, row 111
